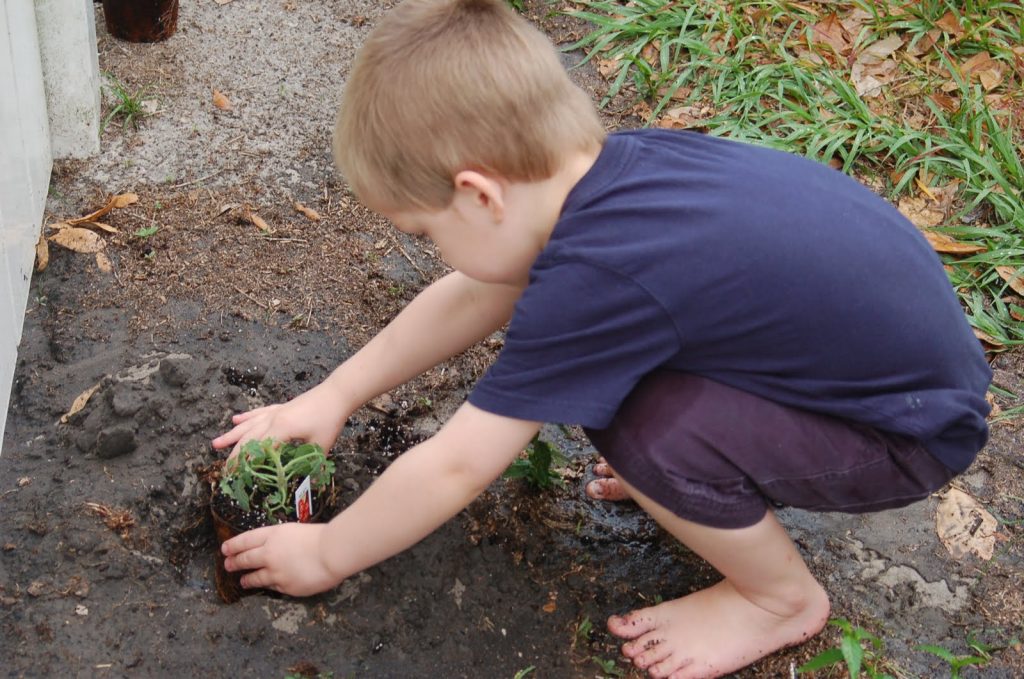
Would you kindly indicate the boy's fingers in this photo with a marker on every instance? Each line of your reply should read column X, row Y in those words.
column 249, row 414
column 260, row 578
column 248, row 540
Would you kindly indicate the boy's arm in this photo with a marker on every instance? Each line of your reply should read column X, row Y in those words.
column 421, row 490
column 447, row 317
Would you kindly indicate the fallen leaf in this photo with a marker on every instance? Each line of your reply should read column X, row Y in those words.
column 987, row 339
column 116, row 202
column 943, row 243
column 42, row 253
column 36, row 588
column 256, row 221
column 103, row 262
column 881, row 49
column 1013, row 276
column 549, row 607
column 24, row 481
column 680, row 118
column 80, row 402
column 124, row 200
column 309, row 212
column 831, row 32
column 78, row 240
column 608, row 67
column 869, row 76
column 220, row 101
column 99, row 225
column 921, row 211
column 964, row 526
column 950, row 24
column 946, row 102
column 223, row 2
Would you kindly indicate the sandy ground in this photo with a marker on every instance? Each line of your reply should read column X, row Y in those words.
column 106, row 565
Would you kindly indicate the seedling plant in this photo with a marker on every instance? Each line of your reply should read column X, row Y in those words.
column 539, row 465
column 129, row 106
column 860, row 650
column 265, row 473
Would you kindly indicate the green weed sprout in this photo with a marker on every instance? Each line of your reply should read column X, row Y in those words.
column 263, row 472
column 128, row 105
column 852, row 652
column 956, row 662
column 536, row 468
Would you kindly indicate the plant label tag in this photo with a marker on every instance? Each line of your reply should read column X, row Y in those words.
column 304, row 501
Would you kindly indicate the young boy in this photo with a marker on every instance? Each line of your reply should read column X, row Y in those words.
column 735, row 327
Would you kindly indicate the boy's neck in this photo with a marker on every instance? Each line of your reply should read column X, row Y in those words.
column 543, row 201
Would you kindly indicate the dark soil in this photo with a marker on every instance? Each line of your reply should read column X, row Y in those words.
column 107, row 561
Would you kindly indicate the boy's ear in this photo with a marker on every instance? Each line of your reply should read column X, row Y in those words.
column 475, row 191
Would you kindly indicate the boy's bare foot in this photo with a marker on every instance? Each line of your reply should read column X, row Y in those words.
column 714, row 631
column 607, row 487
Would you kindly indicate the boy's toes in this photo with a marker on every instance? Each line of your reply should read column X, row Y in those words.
column 630, row 626
column 607, row 489
column 655, row 650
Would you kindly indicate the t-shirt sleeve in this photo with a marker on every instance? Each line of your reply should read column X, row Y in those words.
column 581, row 337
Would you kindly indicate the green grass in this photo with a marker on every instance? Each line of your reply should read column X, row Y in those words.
column 758, row 71
column 128, row 106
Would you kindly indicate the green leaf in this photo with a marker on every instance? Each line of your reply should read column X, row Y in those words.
column 943, row 653
column 824, row 659
column 853, row 654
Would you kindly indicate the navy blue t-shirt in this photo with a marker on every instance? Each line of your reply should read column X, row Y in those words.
column 756, row 268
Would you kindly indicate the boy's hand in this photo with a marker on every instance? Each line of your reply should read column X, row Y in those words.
column 316, row 416
column 287, row 558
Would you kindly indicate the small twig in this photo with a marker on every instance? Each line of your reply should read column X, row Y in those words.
column 196, row 181
column 251, row 298
column 286, row 240
column 406, row 255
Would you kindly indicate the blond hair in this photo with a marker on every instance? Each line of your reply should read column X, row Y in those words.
column 442, row 86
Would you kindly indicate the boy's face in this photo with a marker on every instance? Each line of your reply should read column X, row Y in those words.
column 471, row 247
column 480, row 234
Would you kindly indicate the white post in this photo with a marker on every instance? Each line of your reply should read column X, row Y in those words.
column 25, row 163
column 71, row 71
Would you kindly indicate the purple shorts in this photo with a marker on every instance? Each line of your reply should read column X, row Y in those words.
column 718, row 456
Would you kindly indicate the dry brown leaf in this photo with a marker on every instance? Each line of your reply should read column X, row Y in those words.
column 1013, row 276
column 608, row 67
column 124, row 200
column 42, row 253
column 964, row 526
column 309, row 212
column 103, row 262
column 946, row 102
column 883, row 48
column 256, row 220
column 78, row 240
column 221, row 101
column 941, row 242
column 680, row 118
column 992, row 343
column 80, row 402
column 223, row 2
column 922, row 212
column 983, row 68
column 115, row 202
column 99, row 225
column 950, row 24
column 831, row 32
column 990, row 398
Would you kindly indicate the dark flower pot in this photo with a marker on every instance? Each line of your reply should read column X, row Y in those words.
column 229, row 521
column 141, row 20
